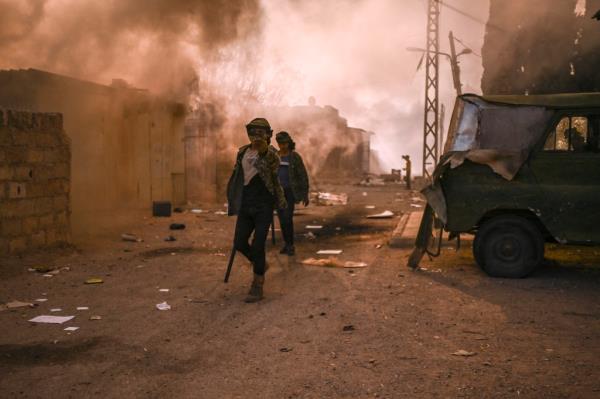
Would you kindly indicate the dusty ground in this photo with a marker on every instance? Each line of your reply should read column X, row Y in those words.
column 382, row 331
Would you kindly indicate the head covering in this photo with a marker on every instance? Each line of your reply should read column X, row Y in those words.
column 260, row 123
column 283, row 137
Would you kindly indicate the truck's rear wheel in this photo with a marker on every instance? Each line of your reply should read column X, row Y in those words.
column 508, row 246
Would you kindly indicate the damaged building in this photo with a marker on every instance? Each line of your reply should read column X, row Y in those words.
column 541, row 47
column 126, row 145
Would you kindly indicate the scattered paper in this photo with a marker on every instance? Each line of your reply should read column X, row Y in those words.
column 332, row 199
column 48, row 275
column 94, row 280
column 370, row 206
column 163, row 306
column 364, row 194
column 51, row 319
column 314, row 227
column 416, row 206
column 82, row 308
column 220, row 213
column 130, row 237
column 333, row 262
column 71, row 328
column 41, row 299
column 197, row 211
column 95, row 317
column 164, row 290
column 329, row 252
column 382, row 215
column 310, row 235
column 19, row 304
column 464, row 353
column 56, row 310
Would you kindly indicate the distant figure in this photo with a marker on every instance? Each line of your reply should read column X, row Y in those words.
column 253, row 192
column 294, row 180
column 408, row 170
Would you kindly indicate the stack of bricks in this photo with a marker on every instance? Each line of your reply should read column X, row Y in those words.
column 35, row 160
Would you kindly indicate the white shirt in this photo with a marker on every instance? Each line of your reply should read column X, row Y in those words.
column 248, row 161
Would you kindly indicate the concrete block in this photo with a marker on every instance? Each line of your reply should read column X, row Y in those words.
column 406, row 231
column 61, row 203
column 6, row 173
column 23, row 173
column 61, row 170
column 18, row 244
column 17, row 190
column 12, row 227
column 15, row 154
column 31, row 224
column 46, row 221
column 35, row 156
column 44, row 205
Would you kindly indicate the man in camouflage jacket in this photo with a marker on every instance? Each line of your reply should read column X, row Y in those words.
column 253, row 192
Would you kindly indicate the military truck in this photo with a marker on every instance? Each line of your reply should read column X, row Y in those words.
column 518, row 171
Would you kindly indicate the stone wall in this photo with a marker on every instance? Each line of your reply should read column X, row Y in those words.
column 34, row 181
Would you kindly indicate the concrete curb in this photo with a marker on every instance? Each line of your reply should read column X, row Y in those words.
column 405, row 233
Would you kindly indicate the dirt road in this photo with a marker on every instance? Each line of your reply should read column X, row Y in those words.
column 382, row 331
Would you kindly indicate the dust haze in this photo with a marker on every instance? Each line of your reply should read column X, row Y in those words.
column 348, row 53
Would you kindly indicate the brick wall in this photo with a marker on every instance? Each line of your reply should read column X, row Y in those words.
column 34, row 181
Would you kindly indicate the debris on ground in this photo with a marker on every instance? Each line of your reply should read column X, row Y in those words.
column 178, row 210
column 329, row 252
column 333, row 262
column 177, row 226
column 56, row 310
column 94, row 280
column 382, row 215
column 197, row 211
column 170, row 239
column 310, row 235
column 370, row 206
column 163, row 306
column 416, row 206
column 378, row 246
column 220, row 213
column 41, row 269
column 348, row 327
column 71, row 328
column 163, row 290
column 329, row 199
column 83, row 308
column 51, row 319
column 130, row 237
column 314, row 227
column 41, row 299
column 372, row 181
column 285, row 350
column 462, row 352
column 95, row 317
column 19, row 304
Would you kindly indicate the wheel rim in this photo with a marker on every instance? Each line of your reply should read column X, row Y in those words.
column 507, row 248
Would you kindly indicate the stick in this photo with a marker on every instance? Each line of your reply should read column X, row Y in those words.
column 230, row 264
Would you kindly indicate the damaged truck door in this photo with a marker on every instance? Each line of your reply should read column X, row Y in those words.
column 517, row 171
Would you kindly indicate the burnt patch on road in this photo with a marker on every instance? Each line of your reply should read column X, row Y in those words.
column 45, row 353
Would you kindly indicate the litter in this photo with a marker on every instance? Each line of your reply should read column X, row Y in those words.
column 364, row 193
column 56, row 310
column 94, row 280
column 378, row 246
column 48, row 275
column 329, row 199
column 164, row 290
column 382, row 215
column 370, row 206
column 19, row 304
column 41, row 269
column 163, row 306
column 310, row 235
column 41, row 299
column 177, row 226
column 338, row 229
column 51, row 319
column 285, row 350
column 464, row 353
column 71, row 328
column 130, row 237
column 416, row 199
column 220, row 213
column 333, row 262
column 416, row 206
column 82, row 308
column 314, row 227
column 329, row 252
column 178, row 210
column 170, row 239
column 348, row 327
column 95, row 317
column 196, row 211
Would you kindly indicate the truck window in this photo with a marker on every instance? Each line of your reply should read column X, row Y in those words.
column 570, row 134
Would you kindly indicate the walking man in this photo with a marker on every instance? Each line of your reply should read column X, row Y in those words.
column 253, row 192
column 294, row 180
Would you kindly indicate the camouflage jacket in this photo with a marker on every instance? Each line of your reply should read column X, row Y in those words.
column 267, row 166
column 298, row 177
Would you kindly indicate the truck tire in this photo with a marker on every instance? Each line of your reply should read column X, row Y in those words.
column 508, row 246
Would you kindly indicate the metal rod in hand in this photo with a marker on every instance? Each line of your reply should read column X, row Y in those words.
column 230, row 264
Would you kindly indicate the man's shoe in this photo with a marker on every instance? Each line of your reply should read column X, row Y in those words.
column 256, row 289
column 291, row 251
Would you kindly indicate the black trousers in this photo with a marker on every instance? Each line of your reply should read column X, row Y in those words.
column 286, row 217
column 255, row 219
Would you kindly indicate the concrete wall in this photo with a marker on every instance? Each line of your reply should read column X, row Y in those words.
column 34, row 181
column 127, row 145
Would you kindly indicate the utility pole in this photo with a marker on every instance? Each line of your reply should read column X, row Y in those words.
column 454, row 65
column 431, row 114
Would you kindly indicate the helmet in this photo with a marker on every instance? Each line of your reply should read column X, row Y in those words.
column 260, row 123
